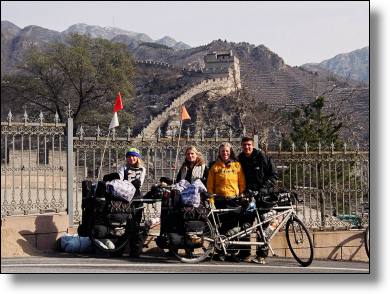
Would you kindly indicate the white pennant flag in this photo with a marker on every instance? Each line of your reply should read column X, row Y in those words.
column 118, row 106
column 114, row 121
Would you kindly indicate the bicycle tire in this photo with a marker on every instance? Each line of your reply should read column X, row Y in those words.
column 296, row 234
column 367, row 241
column 198, row 254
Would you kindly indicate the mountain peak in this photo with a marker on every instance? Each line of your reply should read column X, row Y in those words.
column 112, row 33
column 170, row 42
column 351, row 65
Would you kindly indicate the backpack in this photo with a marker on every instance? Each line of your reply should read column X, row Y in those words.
column 199, row 213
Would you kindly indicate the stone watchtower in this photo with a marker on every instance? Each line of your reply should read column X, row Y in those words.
column 222, row 64
column 221, row 77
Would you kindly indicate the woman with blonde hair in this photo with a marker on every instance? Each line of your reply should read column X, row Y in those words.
column 134, row 171
column 226, row 179
column 134, row 168
column 193, row 167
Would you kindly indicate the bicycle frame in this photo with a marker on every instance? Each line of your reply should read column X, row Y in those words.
column 286, row 213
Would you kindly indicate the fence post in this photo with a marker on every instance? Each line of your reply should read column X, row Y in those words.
column 322, row 206
column 256, row 141
column 69, row 173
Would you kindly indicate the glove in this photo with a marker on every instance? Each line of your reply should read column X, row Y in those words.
column 166, row 180
column 244, row 202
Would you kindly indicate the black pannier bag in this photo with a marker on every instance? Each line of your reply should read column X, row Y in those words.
column 199, row 213
column 99, row 209
column 88, row 209
column 194, row 221
column 193, row 233
column 87, row 193
column 117, row 219
column 170, row 212
column 194, row 227
column 101, row 189
column 117, row 206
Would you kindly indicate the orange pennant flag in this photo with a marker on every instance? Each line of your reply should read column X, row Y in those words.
column 184, row 114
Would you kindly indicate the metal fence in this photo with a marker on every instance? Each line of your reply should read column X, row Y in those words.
column 33, row 176
column 37, row 161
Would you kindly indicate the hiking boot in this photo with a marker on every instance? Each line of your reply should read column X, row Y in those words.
column 259, row 260
column 108, row 243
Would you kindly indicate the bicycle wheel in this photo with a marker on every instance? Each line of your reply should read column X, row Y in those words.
column 195, row 255
column 299, row 241
column 367, row 241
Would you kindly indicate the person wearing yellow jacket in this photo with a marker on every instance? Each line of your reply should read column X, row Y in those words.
column 226, row 178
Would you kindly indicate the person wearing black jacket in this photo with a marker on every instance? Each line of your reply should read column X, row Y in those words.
column 260, row 175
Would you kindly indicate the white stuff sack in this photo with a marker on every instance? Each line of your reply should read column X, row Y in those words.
column 190, row 196
column 123, row 190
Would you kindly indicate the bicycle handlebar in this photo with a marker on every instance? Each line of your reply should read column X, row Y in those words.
column 256, row 194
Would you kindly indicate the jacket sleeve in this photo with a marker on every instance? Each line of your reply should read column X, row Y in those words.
column 205, row 175
column 121, row 172
column 143, row 174
column 210, row 181
column 272, row 173
column 178, row 175
column 241, row 179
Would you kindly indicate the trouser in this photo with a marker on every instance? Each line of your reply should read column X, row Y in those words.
column 228, row 220
column 137, row 234
column 247, row 219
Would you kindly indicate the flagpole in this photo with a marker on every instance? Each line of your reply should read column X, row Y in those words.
column 104, row 149
column 177, row 153
column 114, row 123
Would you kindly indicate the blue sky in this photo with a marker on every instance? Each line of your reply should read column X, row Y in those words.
column 299, row 32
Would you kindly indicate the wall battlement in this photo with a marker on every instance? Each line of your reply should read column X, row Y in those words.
column 221, row 75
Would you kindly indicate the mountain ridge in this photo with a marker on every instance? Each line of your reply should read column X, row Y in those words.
column 264, row 74
column 351, row 65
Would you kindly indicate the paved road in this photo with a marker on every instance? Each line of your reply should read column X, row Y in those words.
column 67, row 263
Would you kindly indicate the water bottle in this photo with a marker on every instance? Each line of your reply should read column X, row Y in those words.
column 269, row 214
column 271, row 228
column 273, row 225
column 233, row 231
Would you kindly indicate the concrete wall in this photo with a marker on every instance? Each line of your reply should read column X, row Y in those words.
column 335, row 245
column 41, row 231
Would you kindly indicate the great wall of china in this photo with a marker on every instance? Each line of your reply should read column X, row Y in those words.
column 221, row 75
column 280, row 89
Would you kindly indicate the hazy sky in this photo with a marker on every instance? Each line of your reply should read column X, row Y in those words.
column 299, row 32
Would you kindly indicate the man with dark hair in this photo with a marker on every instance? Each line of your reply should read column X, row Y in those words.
column 260, row 175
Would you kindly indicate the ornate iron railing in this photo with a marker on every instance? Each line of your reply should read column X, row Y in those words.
column 33, row 178
column 35, row 158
